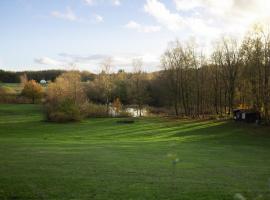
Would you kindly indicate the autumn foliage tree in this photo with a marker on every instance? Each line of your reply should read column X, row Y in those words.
column 65, row 98
column 117, row 105
column 32, row 90
column 23, row 79
column 138, row 85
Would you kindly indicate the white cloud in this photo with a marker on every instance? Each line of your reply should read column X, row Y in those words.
column 213, row 5
column 92, row 62
column 95, row 2
column 82, row 58
column 98, row 18
column 142, row 28
column 124, row 61
column 164, row 16
column 207, row 20
column 68, row 14
column 228, row 8
column 116, row 2
column 89, row 2
column 230, row 16
column 48, row 61
column 191, row 25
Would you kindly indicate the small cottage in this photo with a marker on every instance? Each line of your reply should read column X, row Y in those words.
column 43, row 82
column 246, row 115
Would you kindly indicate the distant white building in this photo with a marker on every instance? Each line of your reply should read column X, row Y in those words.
column 43, row 82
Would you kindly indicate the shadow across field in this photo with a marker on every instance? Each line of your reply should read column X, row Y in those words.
column 102, row 159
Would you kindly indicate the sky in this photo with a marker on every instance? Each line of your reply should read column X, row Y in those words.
column 80, row 34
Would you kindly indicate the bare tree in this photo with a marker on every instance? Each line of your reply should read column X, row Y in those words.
column 105, row 80
column 252, row 73
column 178, row 61
column 139, row 87
column 172, row 63
column 266, row 66
column 65, row 98
column 23, row 80
column 228, row 57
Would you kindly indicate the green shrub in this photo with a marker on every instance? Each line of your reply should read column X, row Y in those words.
column 64, row 112
column 65, row 99
column 160, row 111
column 59, row 117
column 124, row 114
column 32, row 90
column 9, row 95
column 4, row 90
column 96, row 110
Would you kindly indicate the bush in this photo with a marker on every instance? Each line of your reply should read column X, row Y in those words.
column 96, row 110
column 4, row 90
column 59, row 117
column 14, row 99
column 8, row 95
column 100, row 111
column 124, row 114
column 160, row 111
column 66, row 111
column 126, row 121
column 65, row 99
column 32, row 90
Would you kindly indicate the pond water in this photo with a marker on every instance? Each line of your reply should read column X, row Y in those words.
column 132, row 111
column 136, row 113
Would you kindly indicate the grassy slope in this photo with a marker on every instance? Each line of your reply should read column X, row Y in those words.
column 15, row 86
column 100, row 159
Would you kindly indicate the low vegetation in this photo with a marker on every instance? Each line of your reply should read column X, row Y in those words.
column 235, row 76
column 11, row 93
column 65, row 99
column 32, row 90
column 189, row 123
column 153, row 158
column 49, row 75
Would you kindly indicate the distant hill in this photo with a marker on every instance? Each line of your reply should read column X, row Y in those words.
column 48, row 75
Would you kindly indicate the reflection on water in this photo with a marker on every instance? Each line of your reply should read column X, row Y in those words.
column 136, row 112
column 132, row 111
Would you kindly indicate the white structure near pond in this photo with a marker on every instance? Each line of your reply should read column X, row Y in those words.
column 43, row 82
column 136, row 113
column 132, row 111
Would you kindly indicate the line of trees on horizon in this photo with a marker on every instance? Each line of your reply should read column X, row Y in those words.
column 236, row 75
column 48, row 75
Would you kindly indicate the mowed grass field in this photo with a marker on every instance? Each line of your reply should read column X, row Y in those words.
column 102, row 159
column 15, row 86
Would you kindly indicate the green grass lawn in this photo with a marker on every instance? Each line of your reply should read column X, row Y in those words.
column 15, row 86
column 102, row 159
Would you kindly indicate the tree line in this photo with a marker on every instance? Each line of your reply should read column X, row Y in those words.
column 191, row 83
column 48, row 75
column 235, row 75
